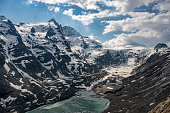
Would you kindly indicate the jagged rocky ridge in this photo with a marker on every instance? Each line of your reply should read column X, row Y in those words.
column 43, row 63
column 38, row 65
column 160, row 46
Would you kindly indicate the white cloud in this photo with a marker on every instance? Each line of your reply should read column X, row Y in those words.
column 131, row 40
column 53, row 8
column 127, row 5
column 147, row 28
column 91, row 37
column 85, row 19
column 151, row 29
column 122, row 7
column 163, row 5
column 29, row 1
column 57, row 9
column 88, row 18
column 68, row 12
column 85, row 4
column 130, row 24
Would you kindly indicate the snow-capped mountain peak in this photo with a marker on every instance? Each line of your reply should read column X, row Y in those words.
column 53, row 21
column 160, row 46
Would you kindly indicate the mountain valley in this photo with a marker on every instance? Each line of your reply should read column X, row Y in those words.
column 42, row 63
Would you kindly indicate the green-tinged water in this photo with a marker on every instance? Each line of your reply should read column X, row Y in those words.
column 83, row 103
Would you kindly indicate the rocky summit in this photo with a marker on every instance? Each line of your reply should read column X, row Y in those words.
column 160, row 46
column 43, row 63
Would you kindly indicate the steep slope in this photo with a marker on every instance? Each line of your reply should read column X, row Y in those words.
column 70, row 32
column 149, row 86
column 38, row 66
column 86, row 48
column 18, row 69
column 50, row 39
column 27, row 80
column 54, row 51
column 121, row 62
column 48, row 45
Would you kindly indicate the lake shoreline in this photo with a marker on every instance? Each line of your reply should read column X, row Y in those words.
column 83, row 100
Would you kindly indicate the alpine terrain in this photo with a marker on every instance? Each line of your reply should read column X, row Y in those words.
column 42, row 63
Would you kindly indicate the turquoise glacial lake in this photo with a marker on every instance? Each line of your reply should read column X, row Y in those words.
column 81, row 103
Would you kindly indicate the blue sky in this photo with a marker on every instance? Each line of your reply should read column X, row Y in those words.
column 115, row 22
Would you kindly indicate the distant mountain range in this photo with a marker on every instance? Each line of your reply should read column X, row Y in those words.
column 43, row 63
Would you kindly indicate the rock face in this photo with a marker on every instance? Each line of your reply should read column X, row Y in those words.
column 160, row 46
column 145, row 89
column 112, row 58
column 69, row 31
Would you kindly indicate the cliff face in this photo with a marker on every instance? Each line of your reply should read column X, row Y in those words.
column 149, row 86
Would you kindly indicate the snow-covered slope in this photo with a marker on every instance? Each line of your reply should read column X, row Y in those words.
column 122, row 62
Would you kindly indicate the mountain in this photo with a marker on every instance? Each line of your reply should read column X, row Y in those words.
column 38, row 66
column 43, row 63
column 148, row 86
column 160, row 46
column 69, row 31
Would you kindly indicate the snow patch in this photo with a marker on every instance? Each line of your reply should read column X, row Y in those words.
column 6, row 67
column 8, row 100
column 20, row 88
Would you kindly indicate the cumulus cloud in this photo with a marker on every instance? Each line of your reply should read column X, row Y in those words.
column 146, row 29
column 127, row 5
column 141, row 28
column 85, row 19
column 88, row 18
column 138, row 20
column 122, row 6
column 163, row 5
column 85, row 4
column 150, row 30
column 53, row 8
column 68, row 12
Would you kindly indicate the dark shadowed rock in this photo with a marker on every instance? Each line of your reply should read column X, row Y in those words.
column 69, row 31
column 160, row 46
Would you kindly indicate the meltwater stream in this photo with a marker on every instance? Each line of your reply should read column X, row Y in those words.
column 81, row 103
